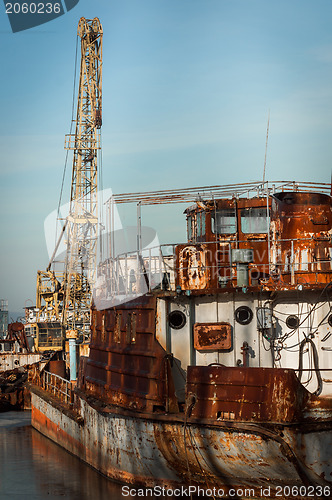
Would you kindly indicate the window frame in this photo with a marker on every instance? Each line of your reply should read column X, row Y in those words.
column 214, row 224
column 250, row 210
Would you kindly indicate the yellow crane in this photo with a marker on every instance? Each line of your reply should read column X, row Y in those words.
column 63, row 298
column 82, row 221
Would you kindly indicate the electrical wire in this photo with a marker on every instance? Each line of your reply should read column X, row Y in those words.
column 315, row 308
column 313, row 354
column 315, row 362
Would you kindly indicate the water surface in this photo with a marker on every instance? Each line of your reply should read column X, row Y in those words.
column 34, row 468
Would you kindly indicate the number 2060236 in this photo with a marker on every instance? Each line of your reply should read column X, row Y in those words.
column 33, row 8
column 303, row 491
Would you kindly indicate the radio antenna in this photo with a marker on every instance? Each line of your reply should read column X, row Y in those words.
column 267, row 138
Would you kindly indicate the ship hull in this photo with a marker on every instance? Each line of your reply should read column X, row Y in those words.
column 168, row 452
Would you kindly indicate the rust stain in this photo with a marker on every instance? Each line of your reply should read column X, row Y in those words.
column 301, row 237
column 295, row 250
column 212, row 336
column 127, row 366
column 246, row 394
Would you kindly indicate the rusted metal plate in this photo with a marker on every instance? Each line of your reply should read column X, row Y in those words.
column 246, row 394
column 212, row 336
column 58, row 367
column 127, row 366
column 196, row 266
column 301, row 246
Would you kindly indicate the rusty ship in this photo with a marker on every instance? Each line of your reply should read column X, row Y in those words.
column 210, row 361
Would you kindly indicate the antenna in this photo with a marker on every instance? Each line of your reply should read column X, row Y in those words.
column 267, row 138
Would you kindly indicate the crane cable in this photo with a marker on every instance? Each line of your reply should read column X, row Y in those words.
column 100, row 227
column 67, row 151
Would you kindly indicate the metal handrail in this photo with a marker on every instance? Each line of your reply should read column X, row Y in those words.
column 159, row 262
column 247, row 189
column 58, row 386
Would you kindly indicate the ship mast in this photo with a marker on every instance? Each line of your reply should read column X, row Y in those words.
column 82, row 221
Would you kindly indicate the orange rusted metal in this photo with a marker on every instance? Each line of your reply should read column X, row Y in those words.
column 16, row 333
column 295, row 249
column 196, row 266
column 212, row 336
column 301, row 237
column 247, row 394
column 228, row 225
column 127, row 366
column 58, row 367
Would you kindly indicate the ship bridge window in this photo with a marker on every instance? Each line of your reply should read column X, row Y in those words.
column 200, row 223
column 191, row 227
column 224, row 221
column 254, row 220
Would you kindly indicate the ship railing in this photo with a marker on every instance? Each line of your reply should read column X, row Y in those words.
column 47, row 317
column 47, row 284
column 139, row 272
column 57, row 386
column 188, row 195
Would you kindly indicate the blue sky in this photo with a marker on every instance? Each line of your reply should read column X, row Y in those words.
column 187, row 86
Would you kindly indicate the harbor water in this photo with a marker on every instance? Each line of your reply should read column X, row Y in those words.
column 34, row 468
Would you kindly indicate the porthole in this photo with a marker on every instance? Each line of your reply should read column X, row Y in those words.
column 292, row 321
column 243, row 315
column 330, row 320
column 176, row 320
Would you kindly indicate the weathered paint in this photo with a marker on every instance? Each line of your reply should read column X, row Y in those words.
column 250, row 394
column 121, row 448
column 212, row 336
column 301, row 240
column 295, row 249
column 127, row 366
